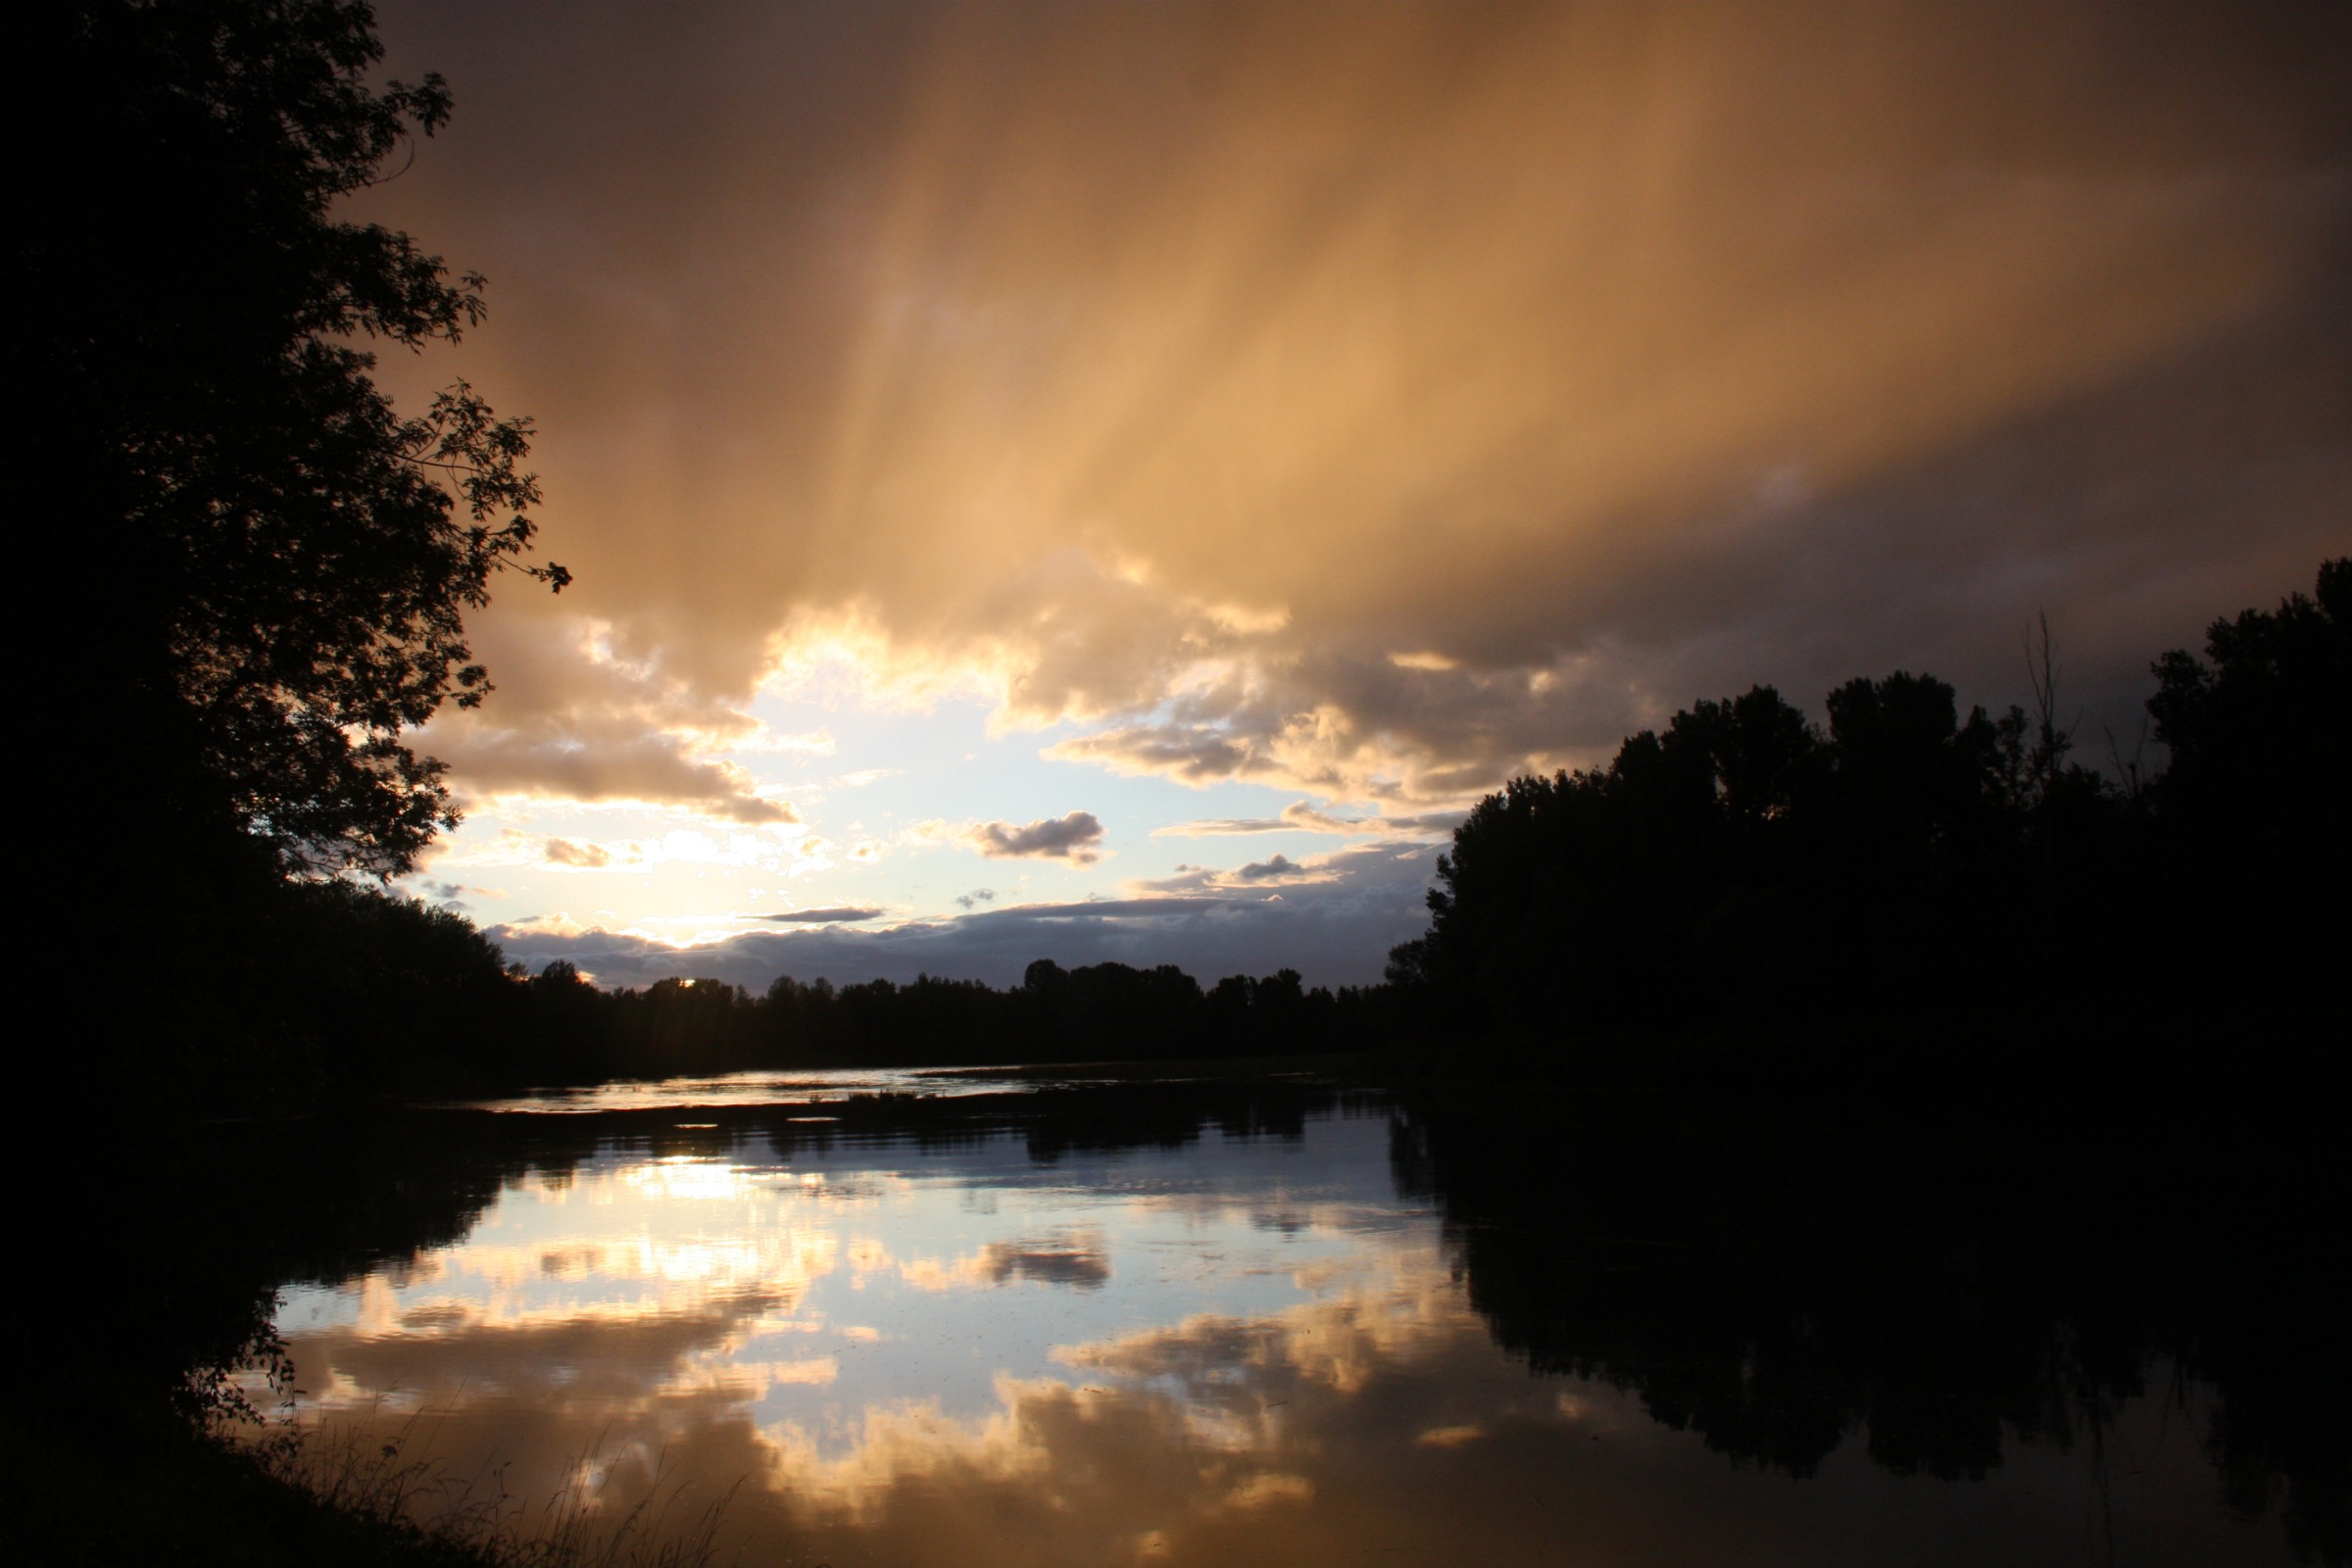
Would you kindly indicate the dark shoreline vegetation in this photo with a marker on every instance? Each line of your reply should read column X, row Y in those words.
column 1899, row 1075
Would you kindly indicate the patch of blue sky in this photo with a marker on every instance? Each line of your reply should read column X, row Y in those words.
column 861, row 843
column 892, row 768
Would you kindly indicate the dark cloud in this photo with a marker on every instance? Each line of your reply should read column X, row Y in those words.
column 1336, row 931
column 1349, row 871
column 1355, row 724
column 619, row 760
column 1453, row 390
column 1198, row 753
column 975, row 898
column 1076, row 838
column 1299, row 816
column 839, row 914
column 1151, row 908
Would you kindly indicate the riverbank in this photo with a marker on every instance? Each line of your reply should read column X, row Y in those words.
column 165, row 1492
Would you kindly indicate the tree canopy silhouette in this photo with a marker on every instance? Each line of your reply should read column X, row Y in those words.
column 1700, row 861
column 1743, row 864
column 2261, row 736
column 283, row 560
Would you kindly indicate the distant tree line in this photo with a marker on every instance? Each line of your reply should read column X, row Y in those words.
column 1089, row 1014
column 372, row 994
column 1744, row 865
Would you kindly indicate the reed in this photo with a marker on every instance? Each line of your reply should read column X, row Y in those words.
column 396, row 1488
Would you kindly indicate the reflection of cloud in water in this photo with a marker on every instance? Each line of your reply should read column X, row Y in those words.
column 1203, row 1384
column 1150, row 1432
column 1083, row 1265
column 1391, row 1309
column 437, row 1315
column 625, row 1355
column 506, row 1285
column 1300, row 1214
column 571, row 1262
column 1078, row 1261
column 1171, row 1439
column 651, row 1308
column 1453, row 1436
column 1149, row 1371
column 620, row 1228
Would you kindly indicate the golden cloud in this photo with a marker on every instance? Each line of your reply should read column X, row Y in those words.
column 1377, row 403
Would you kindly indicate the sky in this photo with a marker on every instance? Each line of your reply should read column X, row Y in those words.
column 1102, row 481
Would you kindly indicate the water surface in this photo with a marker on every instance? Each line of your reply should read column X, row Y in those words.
column 1270, row 1324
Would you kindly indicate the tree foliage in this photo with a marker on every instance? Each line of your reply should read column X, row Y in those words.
column 284, row 560
column 1710, row 856
column 2260, row 731
column 1744, row 864
column 572, row 1031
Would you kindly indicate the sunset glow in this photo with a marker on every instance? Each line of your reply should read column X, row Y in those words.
column 1285, row 782
column 962, row 418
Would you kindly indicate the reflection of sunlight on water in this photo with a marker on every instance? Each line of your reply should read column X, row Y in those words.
column 684, row 1176
column 768, row 1087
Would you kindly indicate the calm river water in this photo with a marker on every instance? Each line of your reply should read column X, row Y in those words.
column 1277, row 1324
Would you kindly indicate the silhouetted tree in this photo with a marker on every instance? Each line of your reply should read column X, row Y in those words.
column 2261, row 736
column 1580, row 899
column 1741, row 863
column 1910, row 863
column 2252, row 805
column 280, row 561
column 269, row 564
column 1909, row 775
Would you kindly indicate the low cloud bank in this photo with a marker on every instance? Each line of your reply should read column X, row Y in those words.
column 1302, row 816
column 1334, row 933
